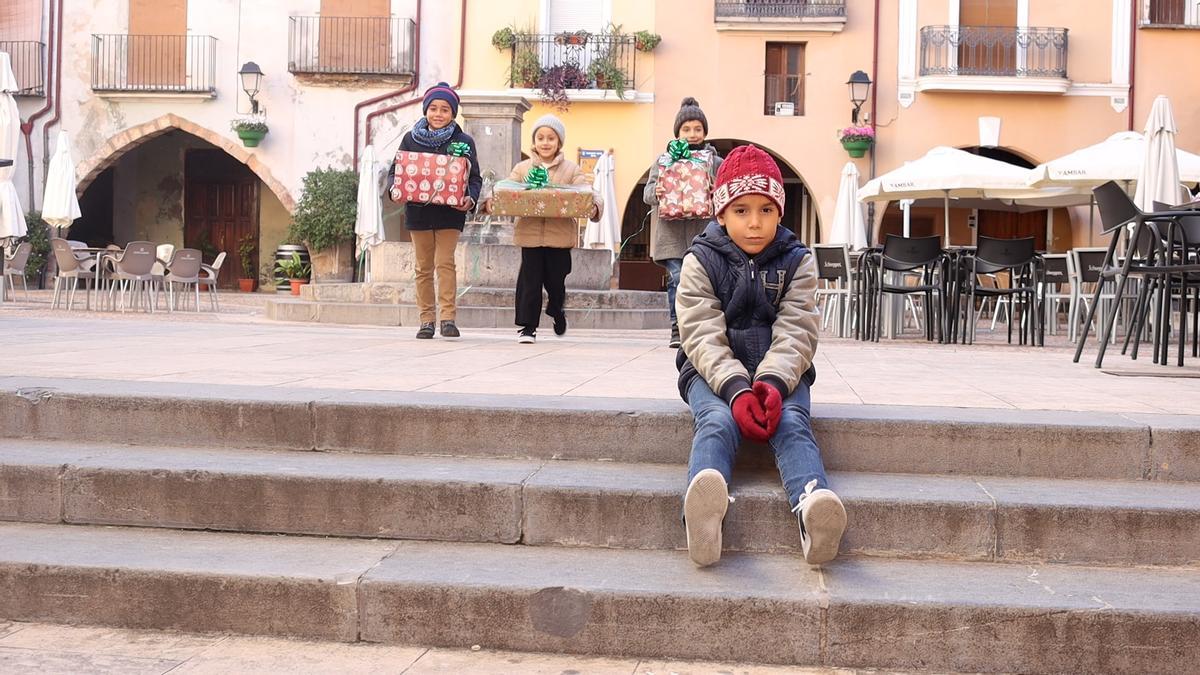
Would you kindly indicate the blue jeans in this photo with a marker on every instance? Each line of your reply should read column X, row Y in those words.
column 673, row 266
column 717, row 437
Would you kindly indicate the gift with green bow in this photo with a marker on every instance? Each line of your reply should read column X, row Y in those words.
column 537, row 197
column 686, row 177
column 431, row 178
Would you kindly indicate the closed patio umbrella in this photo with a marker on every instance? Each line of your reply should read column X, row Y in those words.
column 1159, row 178
column 849, row 224
column 60, row 206
column 368, row 224
column 607, row 232
column 12, row 217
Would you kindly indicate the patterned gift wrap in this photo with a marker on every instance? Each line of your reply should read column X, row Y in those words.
column 510, row 198
column 426, row 178
column 686, row 184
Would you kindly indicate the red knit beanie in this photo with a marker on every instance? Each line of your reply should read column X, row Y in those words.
column 747, row 171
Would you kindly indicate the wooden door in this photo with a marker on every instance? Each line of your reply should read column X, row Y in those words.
column 987, row 37
column 1010, row 225
column 221, row 208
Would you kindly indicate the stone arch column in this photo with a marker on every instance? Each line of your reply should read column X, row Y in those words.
column 130, row 138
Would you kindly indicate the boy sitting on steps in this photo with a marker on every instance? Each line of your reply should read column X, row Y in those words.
column 748, row 321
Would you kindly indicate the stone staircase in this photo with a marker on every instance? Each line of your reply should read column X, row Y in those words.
column 979, row 540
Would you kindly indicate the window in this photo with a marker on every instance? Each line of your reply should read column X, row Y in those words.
column 784, row 77
column 1167, row 12
column 573, row 15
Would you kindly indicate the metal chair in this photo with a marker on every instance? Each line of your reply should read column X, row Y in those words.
column 1019, row 258
column 14, row 267
column 834, row 275
column 905, row 254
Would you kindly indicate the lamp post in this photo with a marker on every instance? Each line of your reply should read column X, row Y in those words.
column 860, row 87
column 251, row 76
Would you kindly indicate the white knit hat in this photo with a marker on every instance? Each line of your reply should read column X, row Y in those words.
column 554, row 124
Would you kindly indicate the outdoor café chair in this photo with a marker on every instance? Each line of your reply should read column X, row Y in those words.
column 833, row 272
column 905, row 254
column 71, row 268
column 184, row 271
column 1019, row 258
column 133, row 272
column 208, row 279
column 14, row 268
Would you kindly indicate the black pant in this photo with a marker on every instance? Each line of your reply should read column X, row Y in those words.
column 541, row 267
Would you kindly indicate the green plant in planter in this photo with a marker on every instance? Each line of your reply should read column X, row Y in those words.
column 250, row 129
column 293, row 268
column 607, row 74
column 328, row 206
column 38, row 236
column 526, row 68
column 576, row 38
column 504, row 38
column 246, row 248
column 208, row 250
column 645, row 41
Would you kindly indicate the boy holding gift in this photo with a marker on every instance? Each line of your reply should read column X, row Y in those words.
column 669, row 239
column 748, row 319
column 435, row 228
column 545, row 243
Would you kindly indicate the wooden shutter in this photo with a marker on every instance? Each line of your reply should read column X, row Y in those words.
column 784, row 73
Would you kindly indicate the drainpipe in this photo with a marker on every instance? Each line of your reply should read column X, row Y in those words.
column 1133, row 32
column 57, row 100
column 416, row 82
column 874, row 118
column 462, row 60
column 27, row 125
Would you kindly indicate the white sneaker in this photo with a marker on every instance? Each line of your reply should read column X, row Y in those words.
column 526, row 336
column 704, row 508
column 822, row 519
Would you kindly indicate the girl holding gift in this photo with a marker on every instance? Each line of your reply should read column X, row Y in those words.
column 435, row 228
column 669, row 239
column 545, row 243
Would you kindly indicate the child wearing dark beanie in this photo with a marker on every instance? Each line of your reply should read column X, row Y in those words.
column 669, row 239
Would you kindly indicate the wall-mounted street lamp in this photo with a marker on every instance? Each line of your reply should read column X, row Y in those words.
column 251, row 76
column 860, row 87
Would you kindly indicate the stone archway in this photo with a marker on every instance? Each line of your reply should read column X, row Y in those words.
column 117, row 146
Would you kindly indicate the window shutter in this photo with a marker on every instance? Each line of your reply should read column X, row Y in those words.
column 573, row 15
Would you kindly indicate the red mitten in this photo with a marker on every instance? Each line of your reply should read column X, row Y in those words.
column 750, row 417
column 772, row 404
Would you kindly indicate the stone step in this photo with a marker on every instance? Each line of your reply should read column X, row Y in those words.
column 478, row 296
column 853, row 613
column 875, row 439
column 363, row 313
column 599, row 504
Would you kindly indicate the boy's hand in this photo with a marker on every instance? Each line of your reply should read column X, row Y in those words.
column 772, row 404
column 750, row 416
column 659, row 190
column 485, row 206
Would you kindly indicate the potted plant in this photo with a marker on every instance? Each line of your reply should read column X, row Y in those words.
column 645, row 41
column 250, row 129
column 526, row 68
column 554, row 83
column 607, row 74
column 324, row 222
column 295, row 270
column 857, row 140
column 247, row 247
column 577, row 38
column 505, row 38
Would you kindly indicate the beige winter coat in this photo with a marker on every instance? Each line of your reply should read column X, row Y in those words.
column 551, row 232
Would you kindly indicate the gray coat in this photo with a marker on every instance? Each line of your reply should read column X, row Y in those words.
column 671, row 238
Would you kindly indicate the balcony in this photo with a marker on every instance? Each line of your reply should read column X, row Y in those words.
column 820, row 16
column 1184, row 14
column 29, row 66
column 377, row 46
column 993, row 59
column 154, row 65
column 575, row 63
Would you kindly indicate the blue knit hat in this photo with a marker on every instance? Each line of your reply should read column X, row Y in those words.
column 440, row 92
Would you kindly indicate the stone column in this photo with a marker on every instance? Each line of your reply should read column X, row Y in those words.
column 495, row 124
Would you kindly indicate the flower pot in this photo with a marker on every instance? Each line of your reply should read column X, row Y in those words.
column 333, row 265
column 246, row 285
column 296, row 284
column 857, row 148
column 250, row 137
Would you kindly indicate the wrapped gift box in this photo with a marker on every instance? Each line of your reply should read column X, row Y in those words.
column 510, row 198
column 686, row 188
column 427, row 178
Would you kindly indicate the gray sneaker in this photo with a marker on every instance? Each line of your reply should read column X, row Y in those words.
column 425, row 332
column 449, row 330
column 822, row 519
column 704, row 508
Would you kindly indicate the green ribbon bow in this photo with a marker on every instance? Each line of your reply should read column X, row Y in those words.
column 678, row 151
column 537, row 177
column 458, row 149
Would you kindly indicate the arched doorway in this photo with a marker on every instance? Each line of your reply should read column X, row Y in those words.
column 639, row 272
column 172, row 186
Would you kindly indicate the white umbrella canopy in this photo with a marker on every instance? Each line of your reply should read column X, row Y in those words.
column 368, row 223
column 60, row 205
column 1159, row 179
column 12, row 216
column 607, row 232
column 1119, row 158
column 849, row 223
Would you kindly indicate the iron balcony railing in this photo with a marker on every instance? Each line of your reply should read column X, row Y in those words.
column 154, row 63
column 343, row 45
column 28, row 64
column 1174, row 13
column 994, row 51
column 779, row 9
column 574, row 61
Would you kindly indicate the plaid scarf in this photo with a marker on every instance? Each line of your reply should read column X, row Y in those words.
column 432, row 138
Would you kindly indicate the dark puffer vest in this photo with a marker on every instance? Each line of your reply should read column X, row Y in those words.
column 750, row 290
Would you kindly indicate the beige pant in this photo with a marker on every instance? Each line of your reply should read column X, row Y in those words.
column 435, row 251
